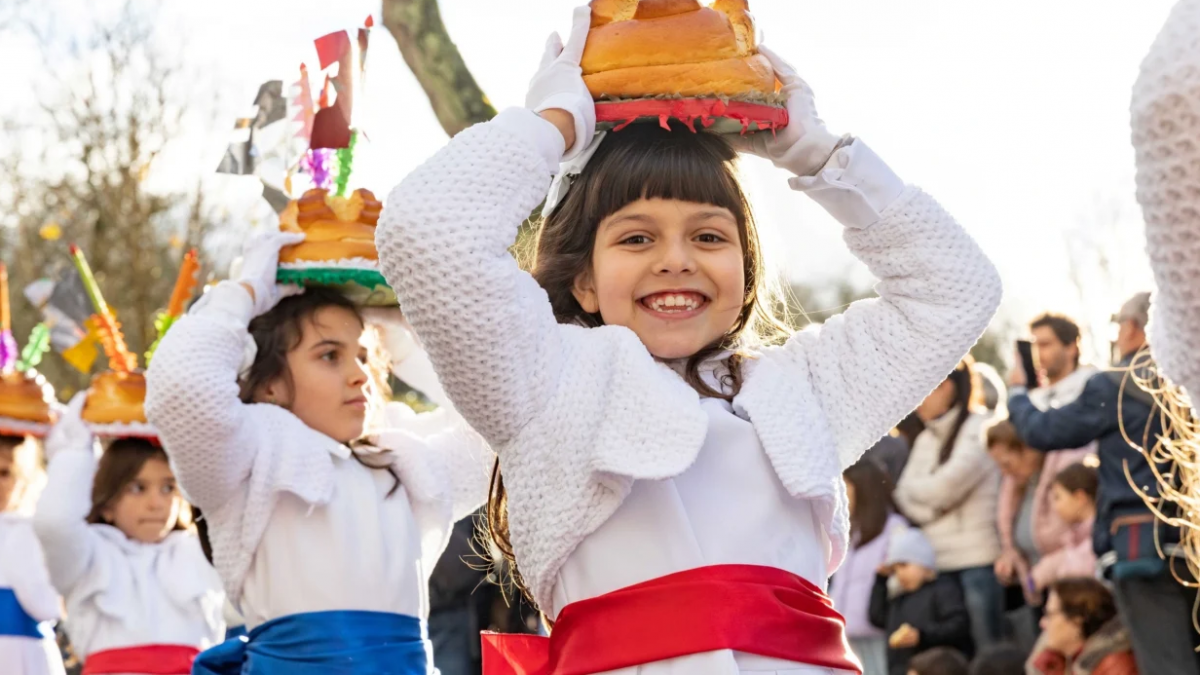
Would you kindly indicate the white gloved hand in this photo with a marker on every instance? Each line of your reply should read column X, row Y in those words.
column 395, row 333
column 804, row 145
column 559, row 81
column 70, row 433
column 260, row 264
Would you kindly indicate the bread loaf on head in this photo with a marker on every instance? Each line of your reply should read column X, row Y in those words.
column 728, row 78
column 335, row 228
column 657, row 9
column 674, row 48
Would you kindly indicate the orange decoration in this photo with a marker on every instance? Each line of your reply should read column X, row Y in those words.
column 185, row 283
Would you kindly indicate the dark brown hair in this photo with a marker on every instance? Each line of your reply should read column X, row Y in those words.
column 280, row 330
column 1079, row 476
column 1064, row 329
column 872, row 500
column 645, row 161
column 119, row 465
column 967, row 397
column 939, row 661
column 1004, row 433
column 1086, row 600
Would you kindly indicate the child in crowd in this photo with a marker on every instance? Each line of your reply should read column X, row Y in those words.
column 140, row 596
column 938, row 661
column 1074, row 498
column 1001, row 659
column 28, row 602
column 872, row 525
column 925, row 611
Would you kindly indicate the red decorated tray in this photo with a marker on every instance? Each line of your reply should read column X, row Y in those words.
column 699, row 114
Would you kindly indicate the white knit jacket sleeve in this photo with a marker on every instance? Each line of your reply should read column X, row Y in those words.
column 26, row 571
column 192, row 397
column 443, row 244
column 873, row 364
column 67, row 541
column 1165, row 116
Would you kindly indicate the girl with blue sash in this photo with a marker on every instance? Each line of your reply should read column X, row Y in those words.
column 28, row 602
column 326, row 508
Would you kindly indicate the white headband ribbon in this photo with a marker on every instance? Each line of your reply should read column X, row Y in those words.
column 567, row 171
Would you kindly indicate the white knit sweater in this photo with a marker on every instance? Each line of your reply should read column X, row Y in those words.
column 1166, row 137
column 233, row 459
column 578, row 414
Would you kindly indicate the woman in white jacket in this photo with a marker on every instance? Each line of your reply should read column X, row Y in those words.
column 950, row 488
column 666, row 480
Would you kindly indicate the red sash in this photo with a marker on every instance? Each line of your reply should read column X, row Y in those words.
column 146, row 659
column 746, row 608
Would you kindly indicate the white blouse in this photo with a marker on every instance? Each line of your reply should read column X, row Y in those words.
column 120, row 592
column 360, row 551
column 23, row 569
column 729, row 507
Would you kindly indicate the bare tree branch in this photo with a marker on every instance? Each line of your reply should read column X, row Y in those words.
column 432, row 56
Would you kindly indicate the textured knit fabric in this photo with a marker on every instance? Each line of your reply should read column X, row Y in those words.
column 578, row 414
column 120, row 592
column 235, row 461
column 954, row 503
column 1166, row 138
column 23, row 570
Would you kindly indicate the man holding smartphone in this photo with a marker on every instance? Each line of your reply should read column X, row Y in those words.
column 1154, row 606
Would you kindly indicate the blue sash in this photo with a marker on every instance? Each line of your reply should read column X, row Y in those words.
column 15, row 622
column 234, row 632
column 348, row 641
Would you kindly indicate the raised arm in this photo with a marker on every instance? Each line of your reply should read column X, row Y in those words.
column 444, row 241
column 1166, row 126
column 872, row 365
column 60, row 520
column 192, row 383
column 28, row 575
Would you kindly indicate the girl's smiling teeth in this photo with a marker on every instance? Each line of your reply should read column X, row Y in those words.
column 674, row 302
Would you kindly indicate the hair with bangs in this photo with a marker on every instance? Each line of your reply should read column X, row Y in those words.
column 645, row 161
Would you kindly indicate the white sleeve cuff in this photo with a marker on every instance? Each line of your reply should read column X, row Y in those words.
column 855, row 186
column 533, row 128
column 230, row 299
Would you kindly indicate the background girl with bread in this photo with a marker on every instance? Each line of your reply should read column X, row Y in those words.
column 323, row 536
column 29, row 603
column 119, row 546
column 665, row 448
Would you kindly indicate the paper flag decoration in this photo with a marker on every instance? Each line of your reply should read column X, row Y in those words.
column 105, row 324
column 272, row 106
column 65, row 308
column 304, row 101
column 82, row 355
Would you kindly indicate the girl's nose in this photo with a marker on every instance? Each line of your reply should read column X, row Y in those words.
column 676, row 258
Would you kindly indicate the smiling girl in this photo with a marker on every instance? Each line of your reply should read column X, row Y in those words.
column 326, row 508
column 140, row 596
column 670, row 460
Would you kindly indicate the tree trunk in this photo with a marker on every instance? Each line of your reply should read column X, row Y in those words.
column 432, row 56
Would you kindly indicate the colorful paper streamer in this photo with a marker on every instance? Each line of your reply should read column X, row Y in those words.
column 108, row 329
column 35, row 347
column 345, row 163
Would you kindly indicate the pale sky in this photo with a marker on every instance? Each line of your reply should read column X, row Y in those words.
column 1014, row 115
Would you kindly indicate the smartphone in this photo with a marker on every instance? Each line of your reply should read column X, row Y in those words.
column 1025, row 349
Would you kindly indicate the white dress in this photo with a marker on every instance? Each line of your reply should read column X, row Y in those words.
column 23, row 569
column 681, row 523
column 120, row 592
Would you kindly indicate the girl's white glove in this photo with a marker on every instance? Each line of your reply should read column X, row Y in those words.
column 260, row 264
column 70, row 433
column 394, row 331
column 559, row 81
column 804, row 145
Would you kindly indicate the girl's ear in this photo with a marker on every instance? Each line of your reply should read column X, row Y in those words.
column 106, row 514
column 272, row 392
column 584, row 291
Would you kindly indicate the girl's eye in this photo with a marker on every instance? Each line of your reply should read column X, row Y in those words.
column 136, row 488
column 710, row 238
column 168, row 489
column 330, row 356
column 5, row 473
column 636, row 240
column 363, row 358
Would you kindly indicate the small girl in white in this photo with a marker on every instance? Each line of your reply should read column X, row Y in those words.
column 140, row 596
column 324, row 542
column 29, row 604
column 672, row 487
